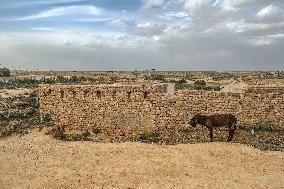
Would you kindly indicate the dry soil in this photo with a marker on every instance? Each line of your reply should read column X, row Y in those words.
column 36, row 160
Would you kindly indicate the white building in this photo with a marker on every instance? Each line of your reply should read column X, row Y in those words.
column 232, row 89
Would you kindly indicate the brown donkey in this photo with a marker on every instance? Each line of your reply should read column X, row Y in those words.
column 219, row 120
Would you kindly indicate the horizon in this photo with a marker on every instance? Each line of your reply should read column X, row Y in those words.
column 149, row 70
column 123, row 35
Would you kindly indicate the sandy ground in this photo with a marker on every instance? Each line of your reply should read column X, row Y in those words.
column 5, row 93
column 39, row 161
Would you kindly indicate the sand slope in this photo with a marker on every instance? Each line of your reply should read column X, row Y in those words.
column 39, row 161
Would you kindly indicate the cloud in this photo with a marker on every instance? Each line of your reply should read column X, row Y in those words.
column 162, row 34
column 181, row 14
column 117, row 23
column 271, row 13
column 75, row 50
column 63, row 11
column 153, row 3
column 243, row 3
column 208, row 12
column 147, row 29
column 176, row 48
column 43, row 29
column 197, row 5
column 29, row 3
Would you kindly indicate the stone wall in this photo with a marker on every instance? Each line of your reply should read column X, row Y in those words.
column 133, row 109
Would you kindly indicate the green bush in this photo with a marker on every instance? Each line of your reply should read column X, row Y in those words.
column 60, row 133
column 262, row 127
column 201, row 83
column 96, row 130
column 185, row 130
column 182, row 81
column 46, row 119
column 4, row 72
column 149, row 137
column 183, row 86
column 86, row 136
column 157, row 77
column 212, row 88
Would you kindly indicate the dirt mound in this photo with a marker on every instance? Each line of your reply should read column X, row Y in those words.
column 39, row 161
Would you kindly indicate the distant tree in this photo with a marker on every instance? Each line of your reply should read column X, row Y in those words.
column 182, row 81
column 4, row 72
column 200, row 83
column 158, row 77
column 74, row 79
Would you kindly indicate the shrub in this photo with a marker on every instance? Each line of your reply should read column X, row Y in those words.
column 46, row 119
column 96, row 130
column 200, row 83
column 262, row 127
column 4, row 72
column 212, row 88
column 183, row 86
column 60, row 133
column 149, row 137
column 86, row 136
column 4, row 129
column 158, row 77
column 182, row 81
column 185, row 130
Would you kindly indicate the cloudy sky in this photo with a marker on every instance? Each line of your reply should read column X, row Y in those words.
column 172, row 35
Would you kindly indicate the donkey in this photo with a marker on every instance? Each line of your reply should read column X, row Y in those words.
column 219, row 120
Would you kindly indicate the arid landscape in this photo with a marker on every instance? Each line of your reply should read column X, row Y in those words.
column 142, row 94
column 37, row 152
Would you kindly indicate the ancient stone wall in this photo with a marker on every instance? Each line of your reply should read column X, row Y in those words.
column 133, row 109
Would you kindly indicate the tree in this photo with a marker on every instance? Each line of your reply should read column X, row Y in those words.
column 181, row 81
column 4, row 72
column 200, row 83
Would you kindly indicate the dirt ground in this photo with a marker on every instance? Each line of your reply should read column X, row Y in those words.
column 37, row 160
column 5, row 93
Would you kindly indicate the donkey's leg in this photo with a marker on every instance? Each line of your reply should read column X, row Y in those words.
column 233, row 129
column 231, row 133
column 211, row 134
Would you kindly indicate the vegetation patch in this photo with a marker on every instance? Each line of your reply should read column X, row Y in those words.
column 152, row 137
column 157, row 77
column 96, row 130
column 5, row 72
column 185, row 130
column 33, row 84
column 262, row 127
column 60, row 134
column 22, row 115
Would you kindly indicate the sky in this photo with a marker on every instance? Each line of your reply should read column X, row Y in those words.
column 166, row 35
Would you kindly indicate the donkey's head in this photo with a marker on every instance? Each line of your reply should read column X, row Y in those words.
column 194, row 121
